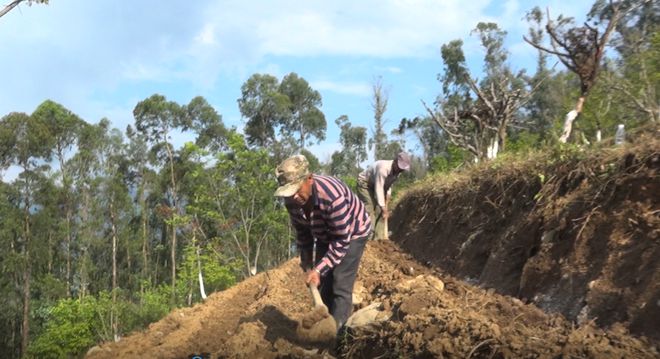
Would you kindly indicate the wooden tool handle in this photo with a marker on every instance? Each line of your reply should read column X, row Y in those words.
column 316, row 295
column 387, row 230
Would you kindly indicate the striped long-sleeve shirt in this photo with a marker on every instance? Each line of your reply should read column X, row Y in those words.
column 337, row 216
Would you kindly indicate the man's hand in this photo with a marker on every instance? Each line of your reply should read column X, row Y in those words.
column 386, row 212
column 313, row 277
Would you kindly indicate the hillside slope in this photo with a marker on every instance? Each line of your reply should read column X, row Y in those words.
column 469, row 265
column 257, row 319
column 580, row 237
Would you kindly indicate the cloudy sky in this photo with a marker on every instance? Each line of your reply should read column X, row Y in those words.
column 99, row 58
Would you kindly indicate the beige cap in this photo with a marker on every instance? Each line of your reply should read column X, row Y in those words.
column 290, row 175
column 403, row 161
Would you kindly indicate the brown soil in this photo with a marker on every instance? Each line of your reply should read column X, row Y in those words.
column 501, row 265
column 258, row 319
column 583, row 242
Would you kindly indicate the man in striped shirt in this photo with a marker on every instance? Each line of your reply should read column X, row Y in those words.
column 325, row 209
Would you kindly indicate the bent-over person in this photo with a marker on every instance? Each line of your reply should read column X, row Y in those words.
column 375, row 188
column 325, row 209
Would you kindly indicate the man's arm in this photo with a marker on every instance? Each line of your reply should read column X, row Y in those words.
column 386, row 209
column 304, row 240
column 379, row 185
column 339, row 221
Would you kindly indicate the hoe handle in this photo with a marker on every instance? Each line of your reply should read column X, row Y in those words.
column 316, row 295
column 387, row 230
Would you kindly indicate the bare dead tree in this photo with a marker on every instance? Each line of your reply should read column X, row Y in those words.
column 581, row 50
column 482, row 127
column 379, row 101
column 15, row 3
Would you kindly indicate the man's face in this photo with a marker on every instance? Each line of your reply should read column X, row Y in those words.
column 304, row 193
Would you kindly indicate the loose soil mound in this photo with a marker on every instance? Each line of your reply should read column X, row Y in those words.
column 433, row 315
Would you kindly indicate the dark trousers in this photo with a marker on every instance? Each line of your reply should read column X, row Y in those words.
column 337, row 286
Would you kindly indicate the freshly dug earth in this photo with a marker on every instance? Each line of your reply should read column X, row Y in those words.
column 258, row 318
column 533, row 260
column 580, row 237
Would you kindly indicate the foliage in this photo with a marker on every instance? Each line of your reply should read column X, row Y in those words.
column 236, row 196
column 476, row 116
column 523, row 141
column 69, row 330
column 290, row 107
column 264, row 107
column 303, row 114
column 454, row 158
column 354, row 149
column 152, row 305
column 433, row 140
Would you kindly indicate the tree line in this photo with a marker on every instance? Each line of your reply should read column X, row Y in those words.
column 105, row 230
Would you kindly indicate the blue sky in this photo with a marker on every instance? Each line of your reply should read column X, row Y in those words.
column 99, row 58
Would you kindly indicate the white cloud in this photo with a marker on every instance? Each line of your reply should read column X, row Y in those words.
column 390, row 69
column 346, row 88
column 207, row 35
column 365, row 28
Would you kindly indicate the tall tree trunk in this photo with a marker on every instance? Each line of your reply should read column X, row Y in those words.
column 202, row 292
column 50, row 252
column 175, row 213
column 84, row 216
column 570, row 117
column 67, row 206
column 145, row 262
column 113, row 313
column 145, row 258
column 302, row 136
column 25, row 335
column 25, row 332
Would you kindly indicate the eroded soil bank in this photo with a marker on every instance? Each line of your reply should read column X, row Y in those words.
column 579, row 238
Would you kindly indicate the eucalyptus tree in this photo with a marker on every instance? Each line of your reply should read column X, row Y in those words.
column 264, row 108
column 354, row 149
column 156, row 118
column 476, row 115
column 428, row 134
column 235, row 196
column 87, row 172
column 63, row 126
column 581, row 48
column 11, row 268
column 142, row 178
column 545, row 104
column 207, row 124
column 634, row 76
column 303, row 113
column 114, row 202
column 25, row 143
